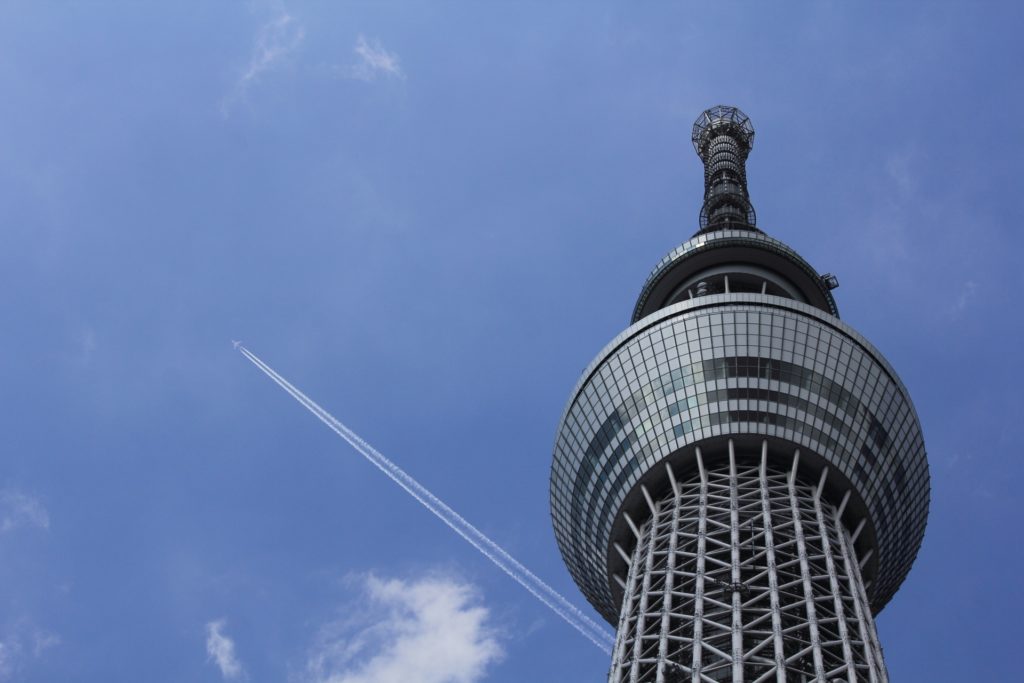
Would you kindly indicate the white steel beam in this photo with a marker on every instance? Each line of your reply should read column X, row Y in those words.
column 744, row 572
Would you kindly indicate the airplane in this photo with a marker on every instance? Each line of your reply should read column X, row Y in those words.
column 236, row 344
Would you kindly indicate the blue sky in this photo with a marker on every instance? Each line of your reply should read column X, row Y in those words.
column 430, row 217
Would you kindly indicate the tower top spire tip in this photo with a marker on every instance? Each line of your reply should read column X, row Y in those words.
column 721, row 119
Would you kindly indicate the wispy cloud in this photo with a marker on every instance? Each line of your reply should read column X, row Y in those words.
column 899, row 169
column 10, row 653
column 963, row 298
column 88, row 344
column 43, row 641
column 373, row 62
column 275, row 40
column 220, row 649
column 84, row 345
column 20, row 644
column 431, row 630
column 21, row 510
column 889, row 236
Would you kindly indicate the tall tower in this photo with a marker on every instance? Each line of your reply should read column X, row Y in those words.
column 739, row 479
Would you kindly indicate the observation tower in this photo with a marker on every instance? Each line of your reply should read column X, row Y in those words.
column 739, row 480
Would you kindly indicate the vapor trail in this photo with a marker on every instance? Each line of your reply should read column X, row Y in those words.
column 593, row 631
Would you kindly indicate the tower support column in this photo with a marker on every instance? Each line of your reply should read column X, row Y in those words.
column 744, row 572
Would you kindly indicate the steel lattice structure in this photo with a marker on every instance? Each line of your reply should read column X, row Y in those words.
column 723, row 137
column 739, row 479
column 744, row 572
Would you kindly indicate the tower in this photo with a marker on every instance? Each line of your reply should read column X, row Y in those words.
column 739, row 480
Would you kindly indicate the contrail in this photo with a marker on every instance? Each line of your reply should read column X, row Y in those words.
column 593, row 631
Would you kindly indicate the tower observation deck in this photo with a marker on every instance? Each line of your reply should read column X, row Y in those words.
column 739, row 480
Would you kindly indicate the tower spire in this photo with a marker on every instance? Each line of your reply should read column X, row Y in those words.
column 723, row 136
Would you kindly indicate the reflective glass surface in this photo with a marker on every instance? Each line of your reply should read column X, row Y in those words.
column 737, row 364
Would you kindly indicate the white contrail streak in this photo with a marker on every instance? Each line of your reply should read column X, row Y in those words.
column 593, row 631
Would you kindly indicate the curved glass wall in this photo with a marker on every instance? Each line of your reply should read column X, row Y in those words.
column 738, row 365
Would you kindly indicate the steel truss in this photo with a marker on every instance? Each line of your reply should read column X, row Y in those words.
column 723, row 137
column 744, row 572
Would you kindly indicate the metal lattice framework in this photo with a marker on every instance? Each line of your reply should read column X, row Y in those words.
column 723, row 137
column 744, row 572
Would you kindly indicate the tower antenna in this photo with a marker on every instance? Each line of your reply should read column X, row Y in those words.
column 723, row 137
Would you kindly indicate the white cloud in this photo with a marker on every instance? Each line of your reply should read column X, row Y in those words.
column 88, row 343
column 431, row 630
column 275, row 40
column 10, row 653
column 220, row 649
column 84, row 344
column 20, row 644
column 18, row 509
column 43, row 641
column 374, row 62
column 963, row 299
column 899, row 168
